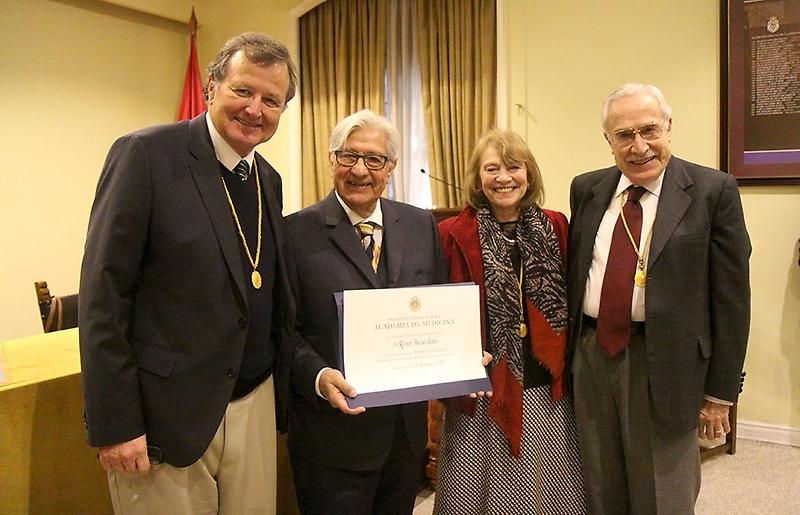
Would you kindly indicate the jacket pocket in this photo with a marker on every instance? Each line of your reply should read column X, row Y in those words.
column 705, row 346
column 158, row 361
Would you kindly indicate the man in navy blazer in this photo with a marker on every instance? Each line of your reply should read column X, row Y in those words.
column 644, row 387
column 350, row 460
column 184, row 297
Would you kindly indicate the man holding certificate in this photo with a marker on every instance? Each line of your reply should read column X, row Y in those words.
column 360, row 461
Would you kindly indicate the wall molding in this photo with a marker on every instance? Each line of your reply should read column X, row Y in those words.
column 761, row 432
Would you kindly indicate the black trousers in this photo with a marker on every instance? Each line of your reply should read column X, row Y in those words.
column 388, row 490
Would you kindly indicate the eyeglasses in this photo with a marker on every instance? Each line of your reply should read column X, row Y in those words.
column 648, row 132
column 371, row 161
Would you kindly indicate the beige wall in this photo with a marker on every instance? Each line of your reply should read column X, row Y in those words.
column 222, row 19
column 565, row 57
column 76, row 76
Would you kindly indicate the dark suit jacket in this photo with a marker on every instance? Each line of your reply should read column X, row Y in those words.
column 163, row 318
column 328, row 258
column 698, row 291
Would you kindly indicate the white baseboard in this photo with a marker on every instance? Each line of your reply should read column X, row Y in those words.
column 761, row 432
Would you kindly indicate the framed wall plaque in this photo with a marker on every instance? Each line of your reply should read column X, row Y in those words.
column 760, row 97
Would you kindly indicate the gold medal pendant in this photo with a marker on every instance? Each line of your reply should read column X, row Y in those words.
column 640, row 278
column 255, row 278
column 523, row 330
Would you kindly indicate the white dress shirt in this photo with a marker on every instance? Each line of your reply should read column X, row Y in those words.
column 355, row 218
column 602, row 245
column 225, row 153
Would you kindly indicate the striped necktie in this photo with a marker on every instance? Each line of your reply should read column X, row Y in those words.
column 242, row 169
column 373, row 250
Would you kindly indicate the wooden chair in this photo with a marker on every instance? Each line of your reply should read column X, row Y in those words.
column 440, row 213
column 729, row 445
column 57, row 312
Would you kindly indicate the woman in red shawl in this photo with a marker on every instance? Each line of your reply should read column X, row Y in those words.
column 516, row 451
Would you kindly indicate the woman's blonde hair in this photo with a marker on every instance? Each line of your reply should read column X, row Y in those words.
column 513, row 150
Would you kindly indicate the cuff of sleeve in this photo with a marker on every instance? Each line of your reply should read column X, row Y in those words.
column 316, row 382
column 707, row 397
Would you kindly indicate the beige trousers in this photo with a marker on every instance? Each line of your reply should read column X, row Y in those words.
column 236, row 474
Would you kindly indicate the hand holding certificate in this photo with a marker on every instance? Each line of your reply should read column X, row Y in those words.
column 403, row 345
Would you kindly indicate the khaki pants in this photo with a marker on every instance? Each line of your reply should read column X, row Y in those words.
column 236, row 474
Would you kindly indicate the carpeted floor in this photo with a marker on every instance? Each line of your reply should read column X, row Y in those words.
column 761, row 478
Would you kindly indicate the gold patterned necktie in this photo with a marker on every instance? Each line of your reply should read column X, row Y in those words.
column 373, row 250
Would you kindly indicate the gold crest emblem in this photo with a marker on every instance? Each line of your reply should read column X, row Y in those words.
column 773, row 25
column 414, row 303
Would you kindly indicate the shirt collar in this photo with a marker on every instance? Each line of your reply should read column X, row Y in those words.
column 225, row 153
column 653, row 187
column 376, row 216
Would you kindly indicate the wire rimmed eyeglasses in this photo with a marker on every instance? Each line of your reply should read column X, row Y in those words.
column 648, row 132
column 350, row 158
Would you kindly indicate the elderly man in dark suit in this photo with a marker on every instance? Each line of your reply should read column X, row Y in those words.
column 659, row 311
column 184, row 294
column 351, row 460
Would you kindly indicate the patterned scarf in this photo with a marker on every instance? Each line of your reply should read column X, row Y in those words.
column 544, row 291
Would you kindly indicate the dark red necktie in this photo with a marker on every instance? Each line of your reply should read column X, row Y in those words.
column 614, row 318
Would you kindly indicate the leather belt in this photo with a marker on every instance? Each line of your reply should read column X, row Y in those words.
column 636, row 327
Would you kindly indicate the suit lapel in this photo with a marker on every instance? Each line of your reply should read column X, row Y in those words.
column 344, row 238
column 272, row 197
column 596, row 205
column 672, row 205
column 392, row 229
column 205, row 170
column 272, row 204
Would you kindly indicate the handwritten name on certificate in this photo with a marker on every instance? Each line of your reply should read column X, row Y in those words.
column 404, row 345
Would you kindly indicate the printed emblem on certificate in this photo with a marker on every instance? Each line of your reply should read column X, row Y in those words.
column 401, row 345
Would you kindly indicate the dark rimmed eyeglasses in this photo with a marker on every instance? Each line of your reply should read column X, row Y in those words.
column 648, row 132
column 371, row 161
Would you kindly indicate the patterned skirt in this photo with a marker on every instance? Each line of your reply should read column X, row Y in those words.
column 477, row 475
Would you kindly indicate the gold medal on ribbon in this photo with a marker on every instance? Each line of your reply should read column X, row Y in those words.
column 640, row 278
column 523, row 329
column 255, row 278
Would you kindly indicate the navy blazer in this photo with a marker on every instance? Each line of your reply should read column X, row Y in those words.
column 163, row 319
column 328, row 258
column 697, row 309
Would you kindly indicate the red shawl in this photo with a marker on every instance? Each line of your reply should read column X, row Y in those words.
column 462, row 253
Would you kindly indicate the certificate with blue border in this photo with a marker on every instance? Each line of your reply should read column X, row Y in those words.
column 401, row 345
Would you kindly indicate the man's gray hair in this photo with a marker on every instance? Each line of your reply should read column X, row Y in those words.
column 259, row 49
column 365, row 119
column 635, row 88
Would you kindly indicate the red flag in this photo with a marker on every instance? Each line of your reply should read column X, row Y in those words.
column 192, row 101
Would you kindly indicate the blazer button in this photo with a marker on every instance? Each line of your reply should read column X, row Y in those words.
column 242, row 322
column 231, row 373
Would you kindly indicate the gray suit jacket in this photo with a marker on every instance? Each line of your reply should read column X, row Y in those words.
column 698, row 290
column 328, row 258
column 163, row 319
